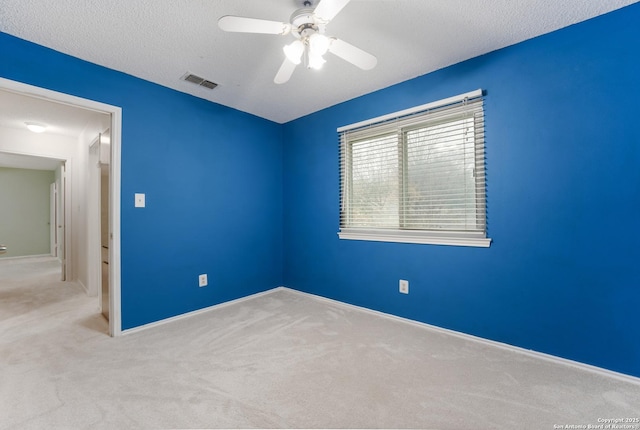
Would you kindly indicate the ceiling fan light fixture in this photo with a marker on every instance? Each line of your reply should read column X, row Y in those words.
column 318, row 44
column 294, row 51
column 315, row 61
column 307, row 24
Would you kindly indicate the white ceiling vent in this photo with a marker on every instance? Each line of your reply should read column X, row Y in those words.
column 194, row 79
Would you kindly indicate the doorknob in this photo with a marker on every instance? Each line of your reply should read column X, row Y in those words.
column 3, row 249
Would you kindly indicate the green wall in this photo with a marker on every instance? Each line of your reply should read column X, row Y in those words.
column 24, row 211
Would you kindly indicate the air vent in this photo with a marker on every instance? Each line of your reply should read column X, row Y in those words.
column 190, row 77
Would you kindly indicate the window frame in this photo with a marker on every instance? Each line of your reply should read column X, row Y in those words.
column 382, row 125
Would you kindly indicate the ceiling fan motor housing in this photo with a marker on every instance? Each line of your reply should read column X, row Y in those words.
column 304, row 24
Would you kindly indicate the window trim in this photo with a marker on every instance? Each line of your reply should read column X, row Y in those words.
column 415, row 236
column 454, row 238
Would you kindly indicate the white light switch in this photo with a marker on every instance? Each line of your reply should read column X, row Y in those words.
column 139, row 200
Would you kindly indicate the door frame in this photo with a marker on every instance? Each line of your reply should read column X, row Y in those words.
column 115, row 112
column 53, row 219
column 63, row 228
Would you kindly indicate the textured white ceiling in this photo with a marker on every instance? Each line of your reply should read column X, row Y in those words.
column 160, row 40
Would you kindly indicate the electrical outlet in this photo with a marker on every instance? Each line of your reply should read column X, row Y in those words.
column 404, row 286
column 202, row 280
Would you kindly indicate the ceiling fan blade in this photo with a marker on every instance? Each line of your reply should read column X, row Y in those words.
column 352, row 54
column 328, row 9
column 285, row 72
column 240, row 24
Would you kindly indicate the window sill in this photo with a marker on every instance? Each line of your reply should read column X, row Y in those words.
column 405, row 236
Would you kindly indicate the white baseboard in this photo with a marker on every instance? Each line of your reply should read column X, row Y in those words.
column 25, row 257
column 531, row 353
column 196, row 312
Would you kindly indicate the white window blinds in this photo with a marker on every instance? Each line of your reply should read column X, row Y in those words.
column 417, row 175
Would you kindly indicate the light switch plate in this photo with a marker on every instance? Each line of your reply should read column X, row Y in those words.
column 140, row 200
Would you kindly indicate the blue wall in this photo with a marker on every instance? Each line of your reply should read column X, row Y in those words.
column 563, row 155
column 563, row 163
column 212, row 178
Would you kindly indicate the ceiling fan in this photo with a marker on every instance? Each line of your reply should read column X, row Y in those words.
column 307, row 26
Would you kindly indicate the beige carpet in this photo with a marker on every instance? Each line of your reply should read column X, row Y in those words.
column 281, row 360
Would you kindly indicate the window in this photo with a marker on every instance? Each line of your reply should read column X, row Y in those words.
column 416, row 176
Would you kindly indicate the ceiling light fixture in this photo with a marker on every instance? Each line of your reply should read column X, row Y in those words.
column 315, row 61
column 313, row 47
column 35, row 127
column 294, row 51
column 318, row 44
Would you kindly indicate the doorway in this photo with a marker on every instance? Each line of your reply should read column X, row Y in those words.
column 80, row 264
